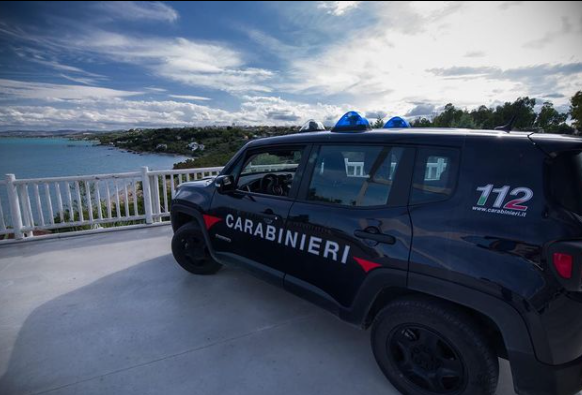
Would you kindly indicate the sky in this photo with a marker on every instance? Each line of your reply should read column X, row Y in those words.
column 120, row 65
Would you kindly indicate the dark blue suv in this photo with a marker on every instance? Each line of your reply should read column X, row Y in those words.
column 455, row 247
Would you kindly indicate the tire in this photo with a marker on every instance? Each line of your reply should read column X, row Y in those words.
column 427, row 347
column 191, row 252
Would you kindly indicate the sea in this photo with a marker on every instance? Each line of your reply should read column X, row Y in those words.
column 52, row 157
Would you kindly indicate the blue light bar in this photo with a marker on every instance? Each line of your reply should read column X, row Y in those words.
column 351, row 121
column 396, row 123
column 312, row 126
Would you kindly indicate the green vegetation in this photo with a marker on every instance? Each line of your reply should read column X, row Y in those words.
column 378, row 123
column 71, row 214
column 214, row 146
column 548, row 120
column 126, row 205
column 576, row 110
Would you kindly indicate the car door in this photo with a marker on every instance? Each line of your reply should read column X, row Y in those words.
column 246, row 224
column 351, row 217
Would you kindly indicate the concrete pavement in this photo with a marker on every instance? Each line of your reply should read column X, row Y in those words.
column 114, row 314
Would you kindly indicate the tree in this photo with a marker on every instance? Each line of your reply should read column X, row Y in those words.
column 552, row 121
column 379, row 124
column 464, row 121
column 448, row 117
column 576, row 110
column 421, row 123
column 522, row 108
column 483, row 118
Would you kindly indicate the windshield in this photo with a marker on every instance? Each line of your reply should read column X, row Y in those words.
column 271, row 162
column 566, row 181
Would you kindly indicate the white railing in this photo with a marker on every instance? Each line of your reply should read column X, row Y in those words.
column 270, row 168
column 433, row 169
column 58, row 204
column 87, row 202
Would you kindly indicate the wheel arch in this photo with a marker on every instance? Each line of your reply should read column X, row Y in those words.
column 488, row 327
column 511, row 336
column 498, row 317
column 182, row 214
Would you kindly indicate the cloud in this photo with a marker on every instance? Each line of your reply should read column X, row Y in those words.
column 275, row 110
column 508, row 4
column 393, row 62
column 190, row 97
column 421, row 110
column 338, row 8
column 18, row 90
column 122, row 113
column 563, row 80
column 44, row 58
column 521, row 73
column 139, row 10
column 202, row 64
column 475, row 54
column 554, row 95
column 114, row 114
column 463, row 71
column 433, row 10
column 393, row 58
column 283, row 116
column 80, row 80
column 550, row 36
column 271, row 44
column 154, row 89
column 376, row 114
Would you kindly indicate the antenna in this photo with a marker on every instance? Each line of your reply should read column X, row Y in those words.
column 509, row 125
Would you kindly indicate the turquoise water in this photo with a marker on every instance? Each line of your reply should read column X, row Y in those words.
column 51, row 157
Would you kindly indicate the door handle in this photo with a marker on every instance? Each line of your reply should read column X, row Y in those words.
column 373, row 233
column 268, row 213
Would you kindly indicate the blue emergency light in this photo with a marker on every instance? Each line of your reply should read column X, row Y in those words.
column 351, row 121
column 396, row 123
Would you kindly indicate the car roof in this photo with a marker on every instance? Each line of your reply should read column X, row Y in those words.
column 435, row 136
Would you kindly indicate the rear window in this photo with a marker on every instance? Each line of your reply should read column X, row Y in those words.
column 355, row 175
column 566, row 181
column 435, row 175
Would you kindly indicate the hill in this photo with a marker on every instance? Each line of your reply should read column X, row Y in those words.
column 208, row 146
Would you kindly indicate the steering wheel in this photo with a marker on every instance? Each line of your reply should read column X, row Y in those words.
column 270, row 184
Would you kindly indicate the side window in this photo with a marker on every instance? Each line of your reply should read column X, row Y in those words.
column 270, row 172
column 354, row 175
column 435, row 175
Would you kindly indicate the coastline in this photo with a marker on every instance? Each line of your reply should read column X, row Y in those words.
column 93, row 142
column 36, row 157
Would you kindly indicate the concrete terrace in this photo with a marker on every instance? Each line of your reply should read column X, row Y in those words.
column 112, row 313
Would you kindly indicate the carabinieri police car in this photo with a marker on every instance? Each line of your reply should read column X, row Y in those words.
column 456, row 247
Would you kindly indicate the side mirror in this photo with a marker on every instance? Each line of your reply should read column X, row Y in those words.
column 224, row 183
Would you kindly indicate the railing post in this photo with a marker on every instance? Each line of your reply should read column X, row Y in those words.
column 14, row 206
column 156, row 198
column 147, row 195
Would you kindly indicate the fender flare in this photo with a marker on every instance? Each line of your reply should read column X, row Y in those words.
column 194, row 212
column 508, row 320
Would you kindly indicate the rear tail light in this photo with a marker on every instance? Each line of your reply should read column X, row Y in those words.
column 565, row 261
column 563, row 264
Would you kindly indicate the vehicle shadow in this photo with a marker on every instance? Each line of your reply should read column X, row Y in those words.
column 153, row 328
